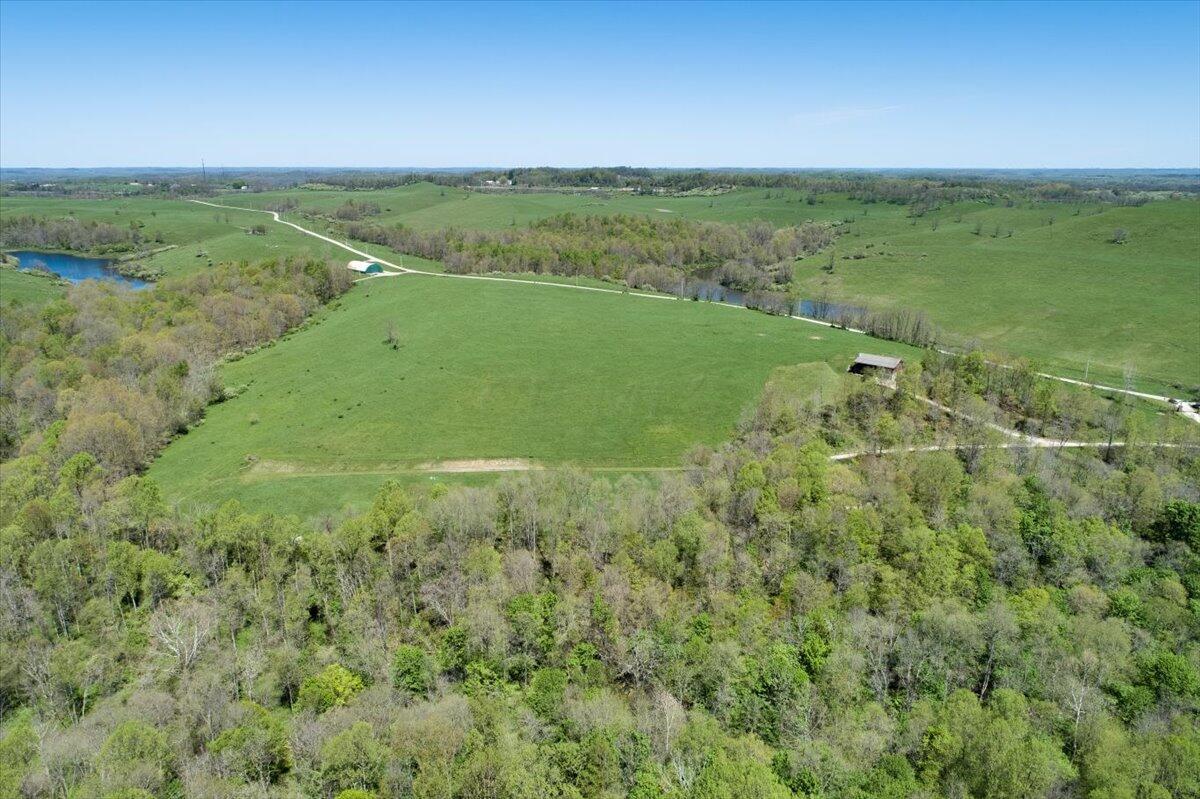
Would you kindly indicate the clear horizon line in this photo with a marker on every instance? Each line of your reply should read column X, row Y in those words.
column 1195, row 168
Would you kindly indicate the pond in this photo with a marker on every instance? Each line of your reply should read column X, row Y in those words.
column 711, row 291
column 74, row 268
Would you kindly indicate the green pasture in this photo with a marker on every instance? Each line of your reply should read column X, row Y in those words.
column 23, row 288
column 198, row 233
column 483, row 370
column 427, row 206
column 1058, row 292
column 1042, row 280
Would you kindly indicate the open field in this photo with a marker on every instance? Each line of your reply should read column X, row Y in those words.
column 428, row 206
column 1059, row 293
column 199, row 234
column 23, row 288
column 484, row 371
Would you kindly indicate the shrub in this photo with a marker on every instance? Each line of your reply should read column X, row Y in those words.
column 355, row 793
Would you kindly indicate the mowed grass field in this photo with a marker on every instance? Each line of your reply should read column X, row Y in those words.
column 484, row 370
column 1058, row 292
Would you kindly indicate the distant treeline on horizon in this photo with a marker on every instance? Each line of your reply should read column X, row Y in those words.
column 888, row 183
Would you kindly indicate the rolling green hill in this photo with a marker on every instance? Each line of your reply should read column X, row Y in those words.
column 483, row 370
column 426, row 206
column 1058, row 292
column 1005, row 277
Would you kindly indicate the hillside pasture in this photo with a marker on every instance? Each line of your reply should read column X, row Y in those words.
column 1040, row 280
column 193, row 234
column 23, row 288
column 483, row 371
column 1059, row 292
column 426, row 206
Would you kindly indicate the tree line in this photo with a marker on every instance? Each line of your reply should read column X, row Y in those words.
column 692, row 260
column 70, row 233
column 615, row 247
column 114, row 372
column 890, row 186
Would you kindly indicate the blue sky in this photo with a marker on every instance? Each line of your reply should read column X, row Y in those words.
column 569, row 84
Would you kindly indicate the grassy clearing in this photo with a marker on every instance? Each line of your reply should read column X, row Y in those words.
column 23, row 288
column 483, row 370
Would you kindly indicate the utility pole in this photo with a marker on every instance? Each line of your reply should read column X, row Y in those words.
column 203, row 172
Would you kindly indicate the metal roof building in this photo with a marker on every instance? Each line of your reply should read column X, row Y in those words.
column 884, row 367
column 877, row 361
column 366, row 267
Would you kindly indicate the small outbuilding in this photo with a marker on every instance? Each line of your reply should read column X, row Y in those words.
column 883, row 367
column 366, row 267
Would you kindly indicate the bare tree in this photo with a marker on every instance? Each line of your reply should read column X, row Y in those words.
column 181, row 632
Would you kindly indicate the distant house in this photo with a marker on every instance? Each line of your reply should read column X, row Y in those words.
column 883, row 367
column 366, row 267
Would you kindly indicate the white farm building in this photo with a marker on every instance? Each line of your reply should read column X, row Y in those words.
column 366, row 267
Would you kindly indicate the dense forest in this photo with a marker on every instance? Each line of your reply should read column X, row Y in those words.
column 769, row 623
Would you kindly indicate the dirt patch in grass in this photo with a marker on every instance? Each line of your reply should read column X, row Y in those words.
column 270, row 468
column 480, row 465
